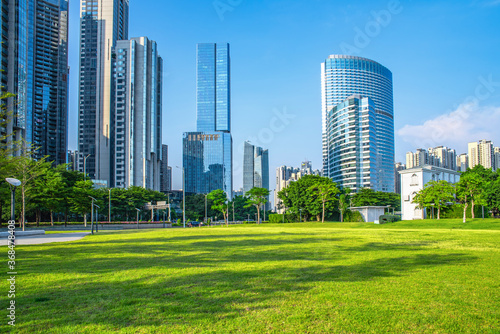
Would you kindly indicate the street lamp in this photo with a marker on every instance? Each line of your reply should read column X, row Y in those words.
column 138, row 217
column 13, row 184
column 85, row 167
column 183, row 197
column 109, row 210
column 206, row 208
column 97, row 217
column 92, row 214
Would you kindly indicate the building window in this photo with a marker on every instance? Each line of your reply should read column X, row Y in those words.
column 414, row 180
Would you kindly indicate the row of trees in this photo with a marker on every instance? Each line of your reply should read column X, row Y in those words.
column 477, row 187
column 319, row 197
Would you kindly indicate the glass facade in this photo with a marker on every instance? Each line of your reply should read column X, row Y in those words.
column 344, row 76
column 208, row 153
column 213, row 87
column 137, row 114
column 352, row 144
column 208, row 160
column 35, row 68
column 255, row 167
column 100, row 21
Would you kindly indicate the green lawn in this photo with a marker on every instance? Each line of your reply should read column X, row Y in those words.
column 425, row 277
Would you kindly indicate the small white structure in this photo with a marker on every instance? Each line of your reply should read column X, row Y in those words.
column 370, row 213
column 413, row 180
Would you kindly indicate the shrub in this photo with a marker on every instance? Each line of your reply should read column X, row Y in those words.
column 353, row 217
column 384, row 219
column 278, row 218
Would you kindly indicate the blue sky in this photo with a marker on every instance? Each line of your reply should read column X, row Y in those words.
column 444, row 56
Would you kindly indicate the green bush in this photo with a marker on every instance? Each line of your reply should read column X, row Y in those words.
column 457, row 211
column 353, row 217
column 276, row 218
column 384, row 219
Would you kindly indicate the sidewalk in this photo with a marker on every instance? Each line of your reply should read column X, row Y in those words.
column 45, row 238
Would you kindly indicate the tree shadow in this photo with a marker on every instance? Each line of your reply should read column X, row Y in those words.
column 219, row 294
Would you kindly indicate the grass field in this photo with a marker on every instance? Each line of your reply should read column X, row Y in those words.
column 406, row 277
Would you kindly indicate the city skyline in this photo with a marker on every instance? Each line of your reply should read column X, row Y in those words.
column 257, row 102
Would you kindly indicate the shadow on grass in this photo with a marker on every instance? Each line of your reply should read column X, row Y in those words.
column 221, row 294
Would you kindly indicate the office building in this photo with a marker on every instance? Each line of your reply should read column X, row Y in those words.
column 136, row 137
column 102, row 24
column 342, row 77
column 255, row 167
column 165, row 171
column 208, row 152
column 352, row 145
column 397, row 168
column 34, row 64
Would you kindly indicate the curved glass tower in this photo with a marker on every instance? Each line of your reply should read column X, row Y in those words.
column 342, row 77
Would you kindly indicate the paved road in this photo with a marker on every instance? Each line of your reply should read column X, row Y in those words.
column 45, row 239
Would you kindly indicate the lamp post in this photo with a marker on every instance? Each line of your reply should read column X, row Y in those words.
column 97, row 217
column 183, row 198
column 206, row 208
column 13, row 184
column 85, row 167
column 109, row 210
column 138, row 217
column 92, row 215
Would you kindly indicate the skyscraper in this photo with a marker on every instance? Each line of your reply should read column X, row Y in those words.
column 136, row 125
column 352, row 144
column 34, row 62
column 166, row 171
column 343, row 76
column 255, row 167
column 207, row 153
column 102, row 24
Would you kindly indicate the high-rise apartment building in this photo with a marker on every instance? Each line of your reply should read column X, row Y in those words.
column 343, row 76
column 255, row 167
column 208, row 152
column 481, row 153
column 34, row 64
column 440, row 156
column 352, row 145
column 497, row 158
column 102, row 24
column 135, row 138
column 462, row 162
column 285, row 175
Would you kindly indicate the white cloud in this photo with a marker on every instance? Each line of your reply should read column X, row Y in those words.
column 470, row 122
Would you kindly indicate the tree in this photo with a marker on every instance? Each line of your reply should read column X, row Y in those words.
column 344, row 203
column 470, row 189
column 370, row 197
column 492, row 194
column 436, row 194
column 297, row 197
column 81, row 202
column 325, row 192
column 219, row 199
column 257, row 197
column 27, row 169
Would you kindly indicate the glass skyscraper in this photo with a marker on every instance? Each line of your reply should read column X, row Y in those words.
column 34, row 62
column 136, row 136
column 255, row 167
column 341, row 77
column 207, row 153
column 102, row 24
